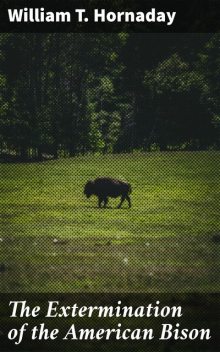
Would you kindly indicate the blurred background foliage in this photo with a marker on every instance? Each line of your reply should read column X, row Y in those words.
column 67, row 94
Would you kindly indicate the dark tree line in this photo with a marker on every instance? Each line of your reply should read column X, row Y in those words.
column 69, row 94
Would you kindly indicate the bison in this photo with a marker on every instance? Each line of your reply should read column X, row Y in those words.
column 104, row 187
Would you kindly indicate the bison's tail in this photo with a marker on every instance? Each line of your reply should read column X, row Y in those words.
column 130, row 189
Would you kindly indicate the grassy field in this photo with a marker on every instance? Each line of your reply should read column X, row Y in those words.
column 54, row 239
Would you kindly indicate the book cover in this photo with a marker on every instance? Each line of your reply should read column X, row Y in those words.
column 109, row 176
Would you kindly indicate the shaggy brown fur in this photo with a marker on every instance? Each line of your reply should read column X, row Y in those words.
column 104, row 187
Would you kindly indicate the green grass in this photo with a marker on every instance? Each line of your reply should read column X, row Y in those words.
column 164, row 242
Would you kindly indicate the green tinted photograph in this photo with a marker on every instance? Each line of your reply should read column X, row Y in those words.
column 109, row 162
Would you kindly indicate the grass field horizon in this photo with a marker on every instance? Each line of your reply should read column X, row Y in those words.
column 164, row 242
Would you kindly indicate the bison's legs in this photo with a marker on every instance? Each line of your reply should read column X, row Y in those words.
column 105, row 201
column 100, row 202
column 122, row 200
column 129, row 201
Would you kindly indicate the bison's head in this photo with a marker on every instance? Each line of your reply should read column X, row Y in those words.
column 89, row 189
